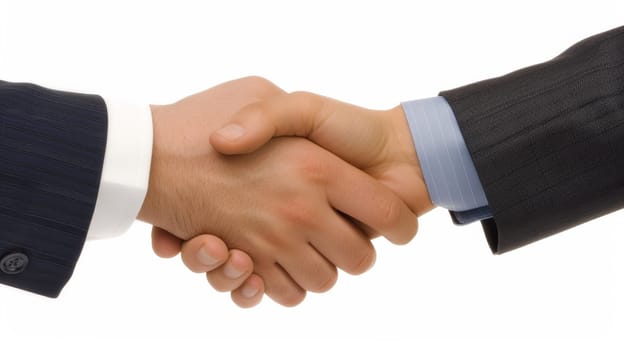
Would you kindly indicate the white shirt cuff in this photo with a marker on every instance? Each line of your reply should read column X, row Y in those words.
column 125, row 174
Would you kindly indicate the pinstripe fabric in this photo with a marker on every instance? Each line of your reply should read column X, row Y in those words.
column 51, row 151
column 451, row 178
column 547, row 141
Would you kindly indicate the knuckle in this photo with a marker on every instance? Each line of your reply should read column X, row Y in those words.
column 307, row 100
column 192, row 263
column 263, row 87
column 258, row 110
column 195, row 266
column 284, row 292
column 326, row 283
column 404, row 238
column 301, row 94
column 292, row 298
column 298, row 212
column 390, row 213
column 217, row 283
column 405, row 233
column 363, row 262
column 312, row 168
column 244, row 302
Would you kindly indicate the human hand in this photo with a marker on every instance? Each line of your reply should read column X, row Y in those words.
column 210, row 255
column 378, row 142
column 284, row 205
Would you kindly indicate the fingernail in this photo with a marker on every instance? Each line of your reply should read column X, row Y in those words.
column 205, row 258
column 231, row 272
column 231, row 131
column 249, row 291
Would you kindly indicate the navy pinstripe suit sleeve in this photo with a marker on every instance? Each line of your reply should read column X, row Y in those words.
column 52, row 148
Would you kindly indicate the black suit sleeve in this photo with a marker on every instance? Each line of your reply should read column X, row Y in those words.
column 52, row 147
column 548, row 141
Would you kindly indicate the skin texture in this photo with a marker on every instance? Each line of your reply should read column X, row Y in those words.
column 293, row 207
column 378, row 142
column 246, row 291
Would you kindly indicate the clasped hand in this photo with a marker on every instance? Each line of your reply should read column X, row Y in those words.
column 271, row 192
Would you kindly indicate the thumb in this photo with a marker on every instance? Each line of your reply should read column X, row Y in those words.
column 247, row 132
column 294, row 114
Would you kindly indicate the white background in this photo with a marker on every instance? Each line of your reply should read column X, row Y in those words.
column 445, row 289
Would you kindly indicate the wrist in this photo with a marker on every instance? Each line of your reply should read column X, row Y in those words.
column 148, row 210
column 125, row 170
column 401, row 137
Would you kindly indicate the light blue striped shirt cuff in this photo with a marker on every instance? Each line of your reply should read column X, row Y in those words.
column 449, row 172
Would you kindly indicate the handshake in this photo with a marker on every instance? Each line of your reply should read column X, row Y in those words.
column 271, row 192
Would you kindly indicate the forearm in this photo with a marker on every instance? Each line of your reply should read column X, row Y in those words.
column 74, row 167
column 547, row 141
column 52, row 146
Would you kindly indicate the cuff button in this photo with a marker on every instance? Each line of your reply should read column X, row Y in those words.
column 14, row 263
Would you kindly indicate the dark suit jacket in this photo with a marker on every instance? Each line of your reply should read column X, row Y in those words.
column 548, row 141
column 51, row 152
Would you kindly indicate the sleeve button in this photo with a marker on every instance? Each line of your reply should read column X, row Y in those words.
column 14, row 263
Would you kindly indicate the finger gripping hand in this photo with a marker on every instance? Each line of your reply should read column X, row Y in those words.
column 294, row 114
